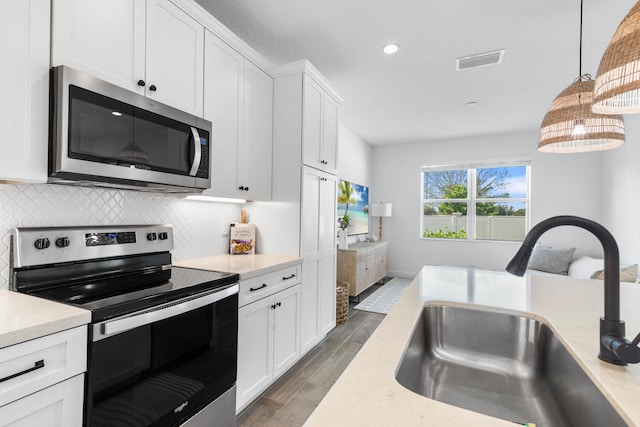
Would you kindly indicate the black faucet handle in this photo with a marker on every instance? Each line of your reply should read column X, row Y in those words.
column 626, row 352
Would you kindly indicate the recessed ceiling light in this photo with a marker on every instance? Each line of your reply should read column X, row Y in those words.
column 390, row 49
column 471, row 104
column 116, row 113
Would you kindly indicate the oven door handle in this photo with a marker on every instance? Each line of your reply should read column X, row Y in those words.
column 154, row 315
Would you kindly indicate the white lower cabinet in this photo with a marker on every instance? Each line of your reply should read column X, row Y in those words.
column 42, row 380
column 268, row 341
column 57, row 406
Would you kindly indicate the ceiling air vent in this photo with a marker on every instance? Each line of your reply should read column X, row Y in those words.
column 479, row 60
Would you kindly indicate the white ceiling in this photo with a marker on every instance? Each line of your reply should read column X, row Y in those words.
column 417, row 95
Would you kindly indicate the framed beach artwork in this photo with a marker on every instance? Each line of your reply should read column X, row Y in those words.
column 353, row 200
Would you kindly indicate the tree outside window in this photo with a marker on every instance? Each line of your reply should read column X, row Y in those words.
column 476, row 203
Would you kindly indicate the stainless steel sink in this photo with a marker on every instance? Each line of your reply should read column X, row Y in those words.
column 503, row 365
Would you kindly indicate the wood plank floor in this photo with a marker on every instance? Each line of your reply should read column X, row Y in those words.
column 291, row 399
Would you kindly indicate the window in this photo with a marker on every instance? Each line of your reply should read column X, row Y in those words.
column 483, row 202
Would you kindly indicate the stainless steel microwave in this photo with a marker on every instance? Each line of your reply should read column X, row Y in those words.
column 104, row 135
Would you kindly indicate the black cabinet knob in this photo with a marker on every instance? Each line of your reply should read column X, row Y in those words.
column 153, row 88
column 141, row 83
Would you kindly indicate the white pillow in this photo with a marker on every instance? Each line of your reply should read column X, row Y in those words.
column 584, row 267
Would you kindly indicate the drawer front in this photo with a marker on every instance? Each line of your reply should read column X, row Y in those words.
column 34, row 365
column 267, row 284
column 59, row 405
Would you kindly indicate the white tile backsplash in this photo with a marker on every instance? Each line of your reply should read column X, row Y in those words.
column 198, row 226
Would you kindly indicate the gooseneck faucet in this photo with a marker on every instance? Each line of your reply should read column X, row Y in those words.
column 614, row 347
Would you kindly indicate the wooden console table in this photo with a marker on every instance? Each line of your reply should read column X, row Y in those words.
column 362, row 265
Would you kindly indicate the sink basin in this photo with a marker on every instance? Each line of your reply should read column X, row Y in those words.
column 507, row 366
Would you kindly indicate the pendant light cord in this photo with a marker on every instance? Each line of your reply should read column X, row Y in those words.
column 580, row 64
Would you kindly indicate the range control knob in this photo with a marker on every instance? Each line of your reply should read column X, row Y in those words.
column 152, row 236
column 62, row 242
column 163, row 235
column 42, row 243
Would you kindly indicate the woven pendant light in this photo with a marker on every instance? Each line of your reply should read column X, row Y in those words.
column 617, row 88
column 571, row 127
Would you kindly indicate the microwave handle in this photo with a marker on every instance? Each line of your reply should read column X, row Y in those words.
column 198, row 152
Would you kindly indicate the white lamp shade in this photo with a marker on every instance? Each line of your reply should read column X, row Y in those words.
column 380, row 209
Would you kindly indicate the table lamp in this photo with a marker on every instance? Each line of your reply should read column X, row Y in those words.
column 380, row 210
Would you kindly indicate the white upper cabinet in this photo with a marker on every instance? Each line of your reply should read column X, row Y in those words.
column 257, row 148
column 330, row 133
column 175, row 57
column 312, row 123
column 104, row 38
column 24, row 84
column 239, row 103
column 151, row 47
column 320, row 127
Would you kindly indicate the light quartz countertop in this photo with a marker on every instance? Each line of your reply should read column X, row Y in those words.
column 368, row 394
column 23, row 317
column 247, row 266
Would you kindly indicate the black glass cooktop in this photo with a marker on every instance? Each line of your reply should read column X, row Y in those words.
column 113, row 296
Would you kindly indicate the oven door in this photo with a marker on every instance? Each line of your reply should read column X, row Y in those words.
column 160, row 366
column 102, row 132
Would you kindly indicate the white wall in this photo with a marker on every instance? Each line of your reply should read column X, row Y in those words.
column 560, row 184
column 354, row 164
column 198, row 226
column 620, row 199
column 354, row 157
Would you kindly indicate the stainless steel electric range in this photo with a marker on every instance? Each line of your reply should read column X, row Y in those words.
column 162, row 342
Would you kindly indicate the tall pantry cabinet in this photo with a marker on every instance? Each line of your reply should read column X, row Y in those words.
column 302, row 215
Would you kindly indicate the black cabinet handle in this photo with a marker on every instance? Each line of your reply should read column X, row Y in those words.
column 39, row 364
column 243, row 188
column 279, row 304
column 153, row 88
column 141, row 83
column 273, row 306
column 246, row 188
column 289, row 277
column 264, row 285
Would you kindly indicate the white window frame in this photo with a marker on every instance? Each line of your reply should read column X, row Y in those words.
column 472, row 198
